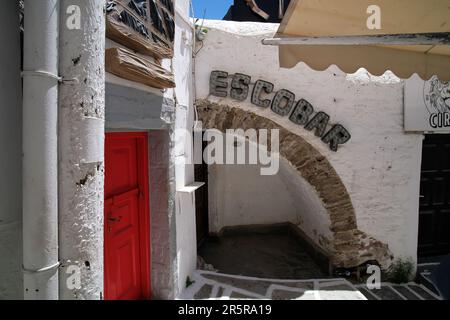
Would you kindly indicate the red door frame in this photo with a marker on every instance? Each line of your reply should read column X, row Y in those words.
column 144, row 206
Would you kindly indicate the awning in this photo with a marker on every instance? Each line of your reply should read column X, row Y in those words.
column 325, row 32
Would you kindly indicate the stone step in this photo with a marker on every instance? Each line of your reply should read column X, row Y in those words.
column 423, row 292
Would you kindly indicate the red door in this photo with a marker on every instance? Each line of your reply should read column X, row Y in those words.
column 126, row 252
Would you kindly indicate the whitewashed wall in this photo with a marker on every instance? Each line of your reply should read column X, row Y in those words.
column 10, row 154
column 380, row 165
column 186, row 242
column 240, row 195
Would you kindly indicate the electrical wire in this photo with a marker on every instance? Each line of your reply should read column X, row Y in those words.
column 194, row 54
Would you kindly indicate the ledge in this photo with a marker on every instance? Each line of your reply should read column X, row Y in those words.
column 190, row 188
column 113, row 79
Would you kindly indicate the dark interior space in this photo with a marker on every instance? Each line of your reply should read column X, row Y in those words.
column 272, row 253
column 241, row 11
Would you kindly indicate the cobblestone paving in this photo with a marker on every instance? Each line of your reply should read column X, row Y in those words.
column 211, row 285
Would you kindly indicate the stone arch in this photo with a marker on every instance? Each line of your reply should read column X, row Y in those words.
column 351, row 247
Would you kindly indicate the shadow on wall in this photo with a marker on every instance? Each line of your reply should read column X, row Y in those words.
column 240, row 195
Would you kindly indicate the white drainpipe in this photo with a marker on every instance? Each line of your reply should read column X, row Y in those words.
column 40, row 157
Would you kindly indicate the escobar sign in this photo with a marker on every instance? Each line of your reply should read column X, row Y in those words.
column 427, row 105
column 282, row 103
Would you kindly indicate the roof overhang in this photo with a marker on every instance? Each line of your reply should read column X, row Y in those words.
column 414, row 36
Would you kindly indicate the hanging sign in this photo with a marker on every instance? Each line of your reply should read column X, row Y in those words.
column 427, row 105
column 283, row 103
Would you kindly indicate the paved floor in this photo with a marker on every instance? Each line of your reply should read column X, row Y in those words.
column 274, row 265
column 428, row 274
column 211, row 285
column 392, row 291
column 277, row 256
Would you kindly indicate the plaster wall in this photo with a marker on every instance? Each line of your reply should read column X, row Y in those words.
column 240, row 195
column 181, row 152
column 379, row 166
column 161, row 232
column 131, row 108
column 11, row 154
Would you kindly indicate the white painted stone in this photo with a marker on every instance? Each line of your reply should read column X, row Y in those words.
column 240, row 195
column 81, row 161
column 186, row 243
column 380, row 165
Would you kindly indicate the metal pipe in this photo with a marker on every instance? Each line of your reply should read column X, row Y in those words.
column 280, row 9
column 430, row 39
column 40, row 157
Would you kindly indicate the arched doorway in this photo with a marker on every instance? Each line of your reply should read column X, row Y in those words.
column 348, row 246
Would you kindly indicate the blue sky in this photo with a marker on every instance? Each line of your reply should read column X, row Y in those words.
column 215, row 9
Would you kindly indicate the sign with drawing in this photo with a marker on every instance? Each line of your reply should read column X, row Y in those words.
column 427, row 105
